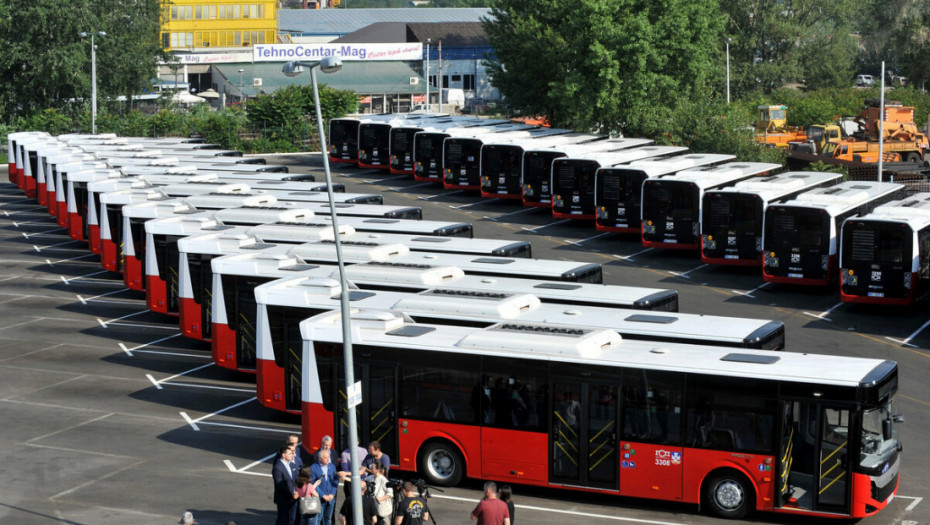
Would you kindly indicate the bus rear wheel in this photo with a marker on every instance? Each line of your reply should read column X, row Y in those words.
column 729, row 495
column 442, row 464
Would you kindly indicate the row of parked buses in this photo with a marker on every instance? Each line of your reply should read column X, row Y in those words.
column 793, row 225
column 475, row 359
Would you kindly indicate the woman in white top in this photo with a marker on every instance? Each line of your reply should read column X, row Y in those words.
column 384, row 496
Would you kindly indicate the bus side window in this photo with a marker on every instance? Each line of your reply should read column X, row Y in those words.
column 438, row 387
column 720, row 414
column 651, row 407
column 514, row 399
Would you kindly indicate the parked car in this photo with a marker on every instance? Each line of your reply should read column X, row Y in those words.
column 865, row 80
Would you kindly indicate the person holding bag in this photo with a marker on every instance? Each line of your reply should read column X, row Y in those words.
column 384, row 496
column 308, row 500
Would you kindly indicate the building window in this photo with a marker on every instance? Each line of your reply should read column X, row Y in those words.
column 166, row 40
column 468, row 82
column 261, row 11
column 238, row 38
column 445, row 81
column 198, row 12
column 174, row 12
column 237, row 11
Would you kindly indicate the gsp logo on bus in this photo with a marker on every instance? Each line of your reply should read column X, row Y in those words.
column 667, row 458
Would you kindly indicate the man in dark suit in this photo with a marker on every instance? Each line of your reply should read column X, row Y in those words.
column 284, row 475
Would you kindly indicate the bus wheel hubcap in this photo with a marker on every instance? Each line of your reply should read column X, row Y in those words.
column 442, row 464
column 729, row 494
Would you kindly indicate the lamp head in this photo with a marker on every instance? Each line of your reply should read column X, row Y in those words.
column 83, row 34
column 101, row 33
column 292, row 69
column 330, row 64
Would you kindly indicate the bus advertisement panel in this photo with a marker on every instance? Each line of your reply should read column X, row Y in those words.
column 568, row 407
column 800, row 237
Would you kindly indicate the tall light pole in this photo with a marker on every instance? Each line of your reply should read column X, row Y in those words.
column 428, row 41
column 241, row 94
column 728, row 71
column 328, row 65
column 93, row 78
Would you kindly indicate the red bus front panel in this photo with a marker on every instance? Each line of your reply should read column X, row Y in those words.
column 190, row 315
column 269, row 386
column 133, row 275
column 223, row 347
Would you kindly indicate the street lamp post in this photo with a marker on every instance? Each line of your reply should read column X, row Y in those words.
column 728, row 71
column 428, row 42
column 328, row 65
column 93, row 78
column 241, row 71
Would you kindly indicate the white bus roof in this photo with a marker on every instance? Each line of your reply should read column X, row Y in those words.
column 452, row 123
column 657, row 167
column 93, row 174
column 222, row 242
column 132, row 195
column 545, row 140
column 578, row 345
column 201, row 187
column 510, row 266
column 915, row 210
column 776, row 186
column 580, row 150
column 705, row 178
column 841, row 197
column 613, row 158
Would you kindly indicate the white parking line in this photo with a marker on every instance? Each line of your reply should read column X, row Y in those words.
column 576, row 243
column 443, row 194
column 823, row 315
column 49, row 261
column 420, row 185
column 913, row 505
column 386, row 179
column 907, row 340
column 630, row 257
column 28, row 235
column 685, row 274
column 483, row 201
column 563, row 221
column 105, row 323
column 193, row 422
column 567, row 512
column 56, row 244
column 750, row 292
column 499, row 217
column 85, row 301
column 68, row 281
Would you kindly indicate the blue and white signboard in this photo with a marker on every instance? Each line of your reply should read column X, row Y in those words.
column 366, row 52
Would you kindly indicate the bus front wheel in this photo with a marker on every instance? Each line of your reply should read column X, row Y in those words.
column 729, row 494
column 442, row 464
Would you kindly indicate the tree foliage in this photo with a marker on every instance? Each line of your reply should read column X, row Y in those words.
column 898, row 32
column 289, row 113
column 608, row 65
column 792, row 41
column 48, row 65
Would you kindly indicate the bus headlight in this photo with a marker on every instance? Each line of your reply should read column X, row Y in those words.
column 907, row 280
column 824, row 262
column 709, row 242
column 758, row 244
column 602, row 213
column 695, row 228
column 649, row 228
column 770, row 260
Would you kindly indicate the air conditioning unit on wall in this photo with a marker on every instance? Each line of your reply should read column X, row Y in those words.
column 256, row 82
column 414, row 81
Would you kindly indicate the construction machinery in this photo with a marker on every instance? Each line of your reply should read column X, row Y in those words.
column 900, row 139
column 772, row 128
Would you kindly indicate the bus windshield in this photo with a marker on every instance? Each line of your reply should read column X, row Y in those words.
column 875, row 446
column 670, row 200
column 878, row 245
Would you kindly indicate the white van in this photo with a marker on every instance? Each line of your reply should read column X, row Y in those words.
column 865, row 80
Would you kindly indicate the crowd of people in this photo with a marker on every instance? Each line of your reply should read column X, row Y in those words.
column 305, row 494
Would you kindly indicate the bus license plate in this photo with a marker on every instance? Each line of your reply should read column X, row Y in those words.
column 795, row 275
column 731, row 256
column 876, row 294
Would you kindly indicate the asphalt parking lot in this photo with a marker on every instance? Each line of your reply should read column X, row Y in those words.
column 110, row 416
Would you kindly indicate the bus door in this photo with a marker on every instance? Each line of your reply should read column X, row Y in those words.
column 813, row 462
column 651, row 454
column 376, row 417
column 583, row 434
column 244, row 316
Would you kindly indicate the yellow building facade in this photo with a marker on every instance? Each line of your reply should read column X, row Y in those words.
column 187, row 24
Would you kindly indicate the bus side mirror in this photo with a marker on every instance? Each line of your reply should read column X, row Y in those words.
column 886, row 429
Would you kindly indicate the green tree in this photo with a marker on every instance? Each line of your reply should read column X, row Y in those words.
column 802, row 41
column 607, row 65
column 289, row 113
column 47, row 64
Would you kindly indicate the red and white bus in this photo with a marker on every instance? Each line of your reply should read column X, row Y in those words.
column 428, row 147
column 41, row 174
column 885, row 255
column 572, row 181
column 74, row 179
column 403, row 136
column 571, row 408
column 461, row 155
column 618, row 190
column 282, row 305
column 537, row 165
column 161, row 256
column 28, row 181
column 800, row 238
column 671, row 206
column 374, row 139
column 13, row 141
column 52, row 162
column 731, row 228
column 343, row 135
column 502, row 162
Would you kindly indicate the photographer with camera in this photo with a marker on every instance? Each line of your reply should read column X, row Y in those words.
column 412, row 510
